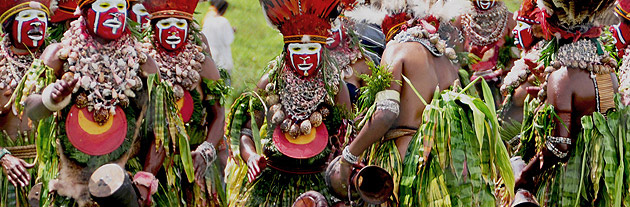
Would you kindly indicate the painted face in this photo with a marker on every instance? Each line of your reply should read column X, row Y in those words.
column 106, row 18
column 485, row 4
column 305, row 57
column 621, row 33
column 172, row 32
column 523, row 37
column 29, row 28
column 139, row 14
column 337, row 35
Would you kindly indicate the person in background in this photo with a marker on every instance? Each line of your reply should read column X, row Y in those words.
column 220, row 34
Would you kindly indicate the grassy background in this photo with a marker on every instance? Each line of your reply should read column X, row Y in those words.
column 256, row 43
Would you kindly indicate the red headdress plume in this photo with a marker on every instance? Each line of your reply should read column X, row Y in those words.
column 528, row 12
column 171, row 8
column 8, row 8
column 300, row 20
column 392, row 24
column 64, row 11
column 623, row 6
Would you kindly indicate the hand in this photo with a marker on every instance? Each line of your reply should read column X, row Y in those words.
column 16, row 170
column 62, row 89
column 255, row 165
column 345, row 171
column 200, row 167
column 143, row 194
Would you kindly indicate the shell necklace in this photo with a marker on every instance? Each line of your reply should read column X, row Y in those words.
column 12, row 66
column 108, row 73
column 486, row 27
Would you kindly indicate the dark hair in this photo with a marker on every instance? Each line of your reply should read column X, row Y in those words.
column 6, row 25
column 221, row 6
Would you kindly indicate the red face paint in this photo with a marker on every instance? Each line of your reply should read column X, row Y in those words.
column 29, row 28
column 304, row 57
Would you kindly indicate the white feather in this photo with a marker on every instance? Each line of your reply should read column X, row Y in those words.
column 441, row 9
column 367, row 14
column 394, row 6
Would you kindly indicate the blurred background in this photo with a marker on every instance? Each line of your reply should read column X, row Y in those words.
column 256, row 43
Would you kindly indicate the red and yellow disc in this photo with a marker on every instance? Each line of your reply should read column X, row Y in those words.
column 303, row 146
column 186, row 106
column 91, row 138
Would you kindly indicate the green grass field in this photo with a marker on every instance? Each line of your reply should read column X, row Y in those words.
column 256, row 43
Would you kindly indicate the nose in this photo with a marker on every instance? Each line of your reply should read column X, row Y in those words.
column 36, row 24
column 115, row 14
column 305, row 58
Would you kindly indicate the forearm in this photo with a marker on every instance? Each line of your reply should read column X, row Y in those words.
column 154, row 158
column 373, row 131
column 215, row 133
column 247, row 147
column 35, row 109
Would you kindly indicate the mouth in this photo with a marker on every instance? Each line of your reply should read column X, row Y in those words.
column 35, row 34
column 113, row 23
column 173, row 40
column 485, row 4
column 305, row 67
column 330, row 41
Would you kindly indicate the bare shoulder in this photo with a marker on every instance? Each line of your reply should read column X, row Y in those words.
column 559, row 90
column 209, row 69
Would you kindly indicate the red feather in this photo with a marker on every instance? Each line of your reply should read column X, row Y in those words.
column 300, row 17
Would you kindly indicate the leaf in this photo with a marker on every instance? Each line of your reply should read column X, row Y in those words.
column 186, row 156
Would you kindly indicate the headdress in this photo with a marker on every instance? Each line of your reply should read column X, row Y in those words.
column 573, row 19
column 300, row 20
column 622, row 8
column 528, row 12
column 63, row 10
column 8, row 8
column 171, row 8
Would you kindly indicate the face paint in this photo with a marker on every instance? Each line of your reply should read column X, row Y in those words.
column 484, row 4
column 106, row 18
column 337, row 35
column 305, row 57
column 139, row 14
column 621, row 33
column 172, row 32
column 29, row 28
column 523, row 37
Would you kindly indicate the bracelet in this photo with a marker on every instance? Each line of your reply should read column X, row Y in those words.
column 555, row 150
column 246, row 132
column 387, row 94
column 4, row 152
column 559, row 140
column 48, row 102
column 349, row 157
column 208, row 152
column 388, row 105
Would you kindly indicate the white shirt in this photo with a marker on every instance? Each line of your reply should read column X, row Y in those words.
column 220, row 35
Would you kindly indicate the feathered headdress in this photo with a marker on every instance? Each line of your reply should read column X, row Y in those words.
column 83, row 3
column 528, row 12
column 570, row 19
column 300, row 20
column 571, row 13
column 171, row 8
column 8, row 8
column 63, row 10
column 622, row 8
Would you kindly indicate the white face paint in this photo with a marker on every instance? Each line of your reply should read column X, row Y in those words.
column 305, row 56
column 140, row 12
column 337, row 34
column 175, row 28
column 111, row 11
column 35, row 22
column 485, row 4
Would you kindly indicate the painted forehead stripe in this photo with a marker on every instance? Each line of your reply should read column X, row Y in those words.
column 24, row 6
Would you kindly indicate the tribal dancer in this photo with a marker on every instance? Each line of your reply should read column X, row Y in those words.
column 98, row 94
column 486, row 30
column 64, row 12
column 24, row 23
column 527, row 74
column 621, row 33
column 347, row 52
column 577, row 149
column 301, row 106
column 417, row 69
column 189, row 80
